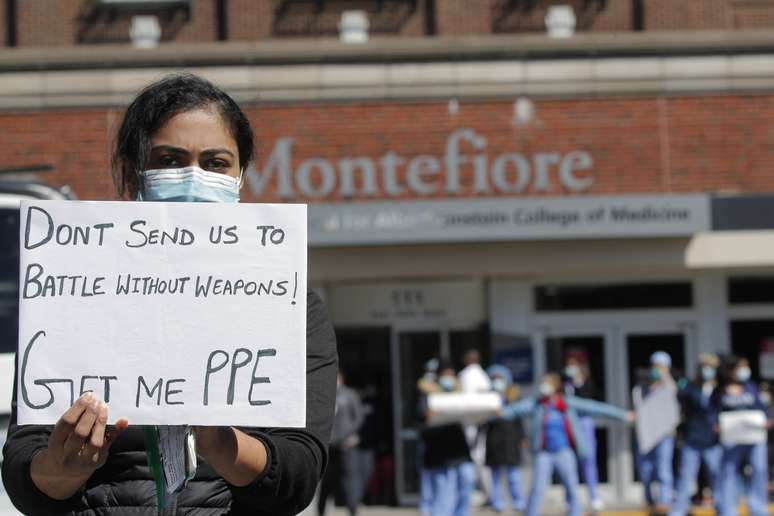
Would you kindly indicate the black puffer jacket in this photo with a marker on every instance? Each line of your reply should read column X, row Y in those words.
column 124, row 485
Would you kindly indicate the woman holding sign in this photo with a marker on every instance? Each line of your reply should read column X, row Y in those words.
column 182, row 139
column 742, row 423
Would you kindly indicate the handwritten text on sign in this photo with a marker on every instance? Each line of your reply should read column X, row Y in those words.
column 173, row 313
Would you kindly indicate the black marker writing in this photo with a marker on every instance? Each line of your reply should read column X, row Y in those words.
column 227, row 236
column 179, row 236
column 62, row 234
column 219, row 359
column 60, row 285
column 275, row 234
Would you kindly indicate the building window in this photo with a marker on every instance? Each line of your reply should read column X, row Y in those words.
column 751, row 290
column 322, row 17
column 9, row 280
column 620, row 296
column 515, row 16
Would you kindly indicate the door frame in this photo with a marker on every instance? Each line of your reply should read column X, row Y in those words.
column 616, row 326
column 399, row 433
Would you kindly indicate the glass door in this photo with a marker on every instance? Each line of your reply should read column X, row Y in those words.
column 589, row 350
column 411, row 349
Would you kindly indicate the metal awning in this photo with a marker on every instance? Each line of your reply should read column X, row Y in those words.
column 730, row 249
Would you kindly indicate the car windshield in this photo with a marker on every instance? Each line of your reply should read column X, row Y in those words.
column 9, row 279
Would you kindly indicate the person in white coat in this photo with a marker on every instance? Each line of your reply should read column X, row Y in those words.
column 473, row 378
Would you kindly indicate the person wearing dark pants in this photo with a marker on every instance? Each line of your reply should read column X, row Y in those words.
column 342, row 475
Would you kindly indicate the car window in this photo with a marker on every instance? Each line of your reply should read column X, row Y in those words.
column 9, row 279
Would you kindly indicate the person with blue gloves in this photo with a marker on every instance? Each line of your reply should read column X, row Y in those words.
column 700, row 440
column 556, row 436
column 655, row 466
column 577, row 382
column 504, row 440
column 736, row 393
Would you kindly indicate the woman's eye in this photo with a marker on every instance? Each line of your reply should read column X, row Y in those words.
column 217, row 164
column 168, row 161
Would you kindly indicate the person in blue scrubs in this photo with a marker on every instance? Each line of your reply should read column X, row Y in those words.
column 737, row 393
column 556, row 437
column 655, row 466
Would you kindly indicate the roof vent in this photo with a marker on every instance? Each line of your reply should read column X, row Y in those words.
column 560, row 21
column 353, row 27
column 145, row 31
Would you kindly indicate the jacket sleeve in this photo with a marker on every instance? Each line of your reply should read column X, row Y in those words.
column 596, row 408
column 519, row 408
column 297, row 457
column 22, row 444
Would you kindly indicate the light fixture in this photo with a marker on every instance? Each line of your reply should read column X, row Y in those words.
column 353, row 26
column 145, row 31
column 523, row 111
column 560, row 21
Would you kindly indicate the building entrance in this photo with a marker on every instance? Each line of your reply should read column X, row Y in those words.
column 615, row 350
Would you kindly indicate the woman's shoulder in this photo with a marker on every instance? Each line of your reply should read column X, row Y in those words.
column 319, row 330
column 316, row 313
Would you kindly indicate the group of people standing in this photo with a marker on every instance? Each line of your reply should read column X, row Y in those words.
column 720, row 386
column 558, row 437
column 561, row 438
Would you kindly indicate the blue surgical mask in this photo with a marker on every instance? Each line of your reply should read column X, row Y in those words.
column 655, row 374
column 708, row 373
column 499, row 385
column 743, row 374
column 189, row 184
column 571, row 371
column 447, row 383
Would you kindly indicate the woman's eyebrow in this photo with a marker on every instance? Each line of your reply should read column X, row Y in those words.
column 169, row 148
column 219, row 150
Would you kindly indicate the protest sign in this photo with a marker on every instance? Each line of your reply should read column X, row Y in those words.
column 462, row 407
column 742, row 427
column 173, row 313
column 656, row 416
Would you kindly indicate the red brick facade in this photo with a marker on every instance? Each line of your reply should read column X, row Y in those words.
column 637, row 145
column 72, row 22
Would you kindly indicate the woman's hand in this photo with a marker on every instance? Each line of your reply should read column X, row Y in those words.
column 77, row 446
column 236, row 456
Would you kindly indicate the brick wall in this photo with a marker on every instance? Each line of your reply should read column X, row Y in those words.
column 48, row 23
column 638, row 145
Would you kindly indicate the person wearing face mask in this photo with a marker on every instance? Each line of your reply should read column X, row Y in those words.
column 181, row 139
column 556, row 438
column 504, row 439
column 427, row 384
column 447, row 456
column 700, row 441
column 577, row 383
column 655, row 466
column 737, row 392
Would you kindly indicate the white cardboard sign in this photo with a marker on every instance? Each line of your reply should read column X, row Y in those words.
column 742, row 427
column 463, row 407
column 174, row 313
column 656, row 416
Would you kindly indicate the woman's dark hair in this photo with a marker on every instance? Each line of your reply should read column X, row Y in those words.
column 728, row 365
column 153, row 107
